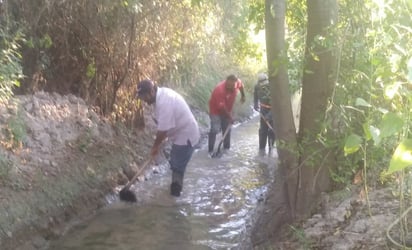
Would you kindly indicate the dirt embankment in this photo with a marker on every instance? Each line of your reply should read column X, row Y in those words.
column 58, row 160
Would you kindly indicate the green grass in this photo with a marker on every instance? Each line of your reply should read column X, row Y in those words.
column 17, row 130
column 5, row 168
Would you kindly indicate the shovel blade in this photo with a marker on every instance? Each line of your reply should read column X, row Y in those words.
column 126, row 195
column 216, row 154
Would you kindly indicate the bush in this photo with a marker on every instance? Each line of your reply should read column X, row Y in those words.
column 10, row 64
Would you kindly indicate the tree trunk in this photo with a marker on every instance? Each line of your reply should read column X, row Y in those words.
column 280, row 204
column 317, row 87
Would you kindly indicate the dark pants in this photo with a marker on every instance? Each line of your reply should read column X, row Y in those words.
column 266, row 135
column 180, row 156
column 218, row 124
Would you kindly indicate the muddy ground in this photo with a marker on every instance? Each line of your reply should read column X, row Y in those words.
column 59, row 160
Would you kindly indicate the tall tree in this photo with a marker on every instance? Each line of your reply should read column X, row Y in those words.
column 279, row 83
column 317, row 87
column 302, row 174
column 281, row 197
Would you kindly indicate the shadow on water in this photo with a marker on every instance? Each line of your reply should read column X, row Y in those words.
column 213, row 212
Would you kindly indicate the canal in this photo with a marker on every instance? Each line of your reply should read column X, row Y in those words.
column 215, row 210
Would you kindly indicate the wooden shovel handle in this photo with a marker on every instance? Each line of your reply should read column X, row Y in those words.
column 145, row 164
column 267, row 122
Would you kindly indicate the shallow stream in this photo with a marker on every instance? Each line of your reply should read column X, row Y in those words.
column 215, row 210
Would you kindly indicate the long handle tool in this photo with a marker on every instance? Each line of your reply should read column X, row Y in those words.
column 270, row 127
column 217, row 153
column 126, row 194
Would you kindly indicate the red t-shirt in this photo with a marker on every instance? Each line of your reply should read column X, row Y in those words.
column 223, row 99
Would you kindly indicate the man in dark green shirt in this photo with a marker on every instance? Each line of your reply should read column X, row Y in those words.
column 262, row 103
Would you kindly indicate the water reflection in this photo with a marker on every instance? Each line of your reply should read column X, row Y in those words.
column 213, row 211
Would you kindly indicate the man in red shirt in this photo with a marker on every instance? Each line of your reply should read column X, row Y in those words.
column 220, row 108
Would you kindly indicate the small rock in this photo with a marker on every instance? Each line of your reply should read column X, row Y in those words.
column 359, row 226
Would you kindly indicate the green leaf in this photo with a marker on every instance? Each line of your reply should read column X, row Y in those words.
column 402, row 157
column 362, row 102
column 91, row 70
column 391, row 124
column 46, row 41
column 367, row 131
column 16, row 83
column 352, row 144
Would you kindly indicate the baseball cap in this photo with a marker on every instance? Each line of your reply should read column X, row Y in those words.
column 144, row 87
column 262, row 77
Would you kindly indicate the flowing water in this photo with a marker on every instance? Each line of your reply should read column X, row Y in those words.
column 215, row 210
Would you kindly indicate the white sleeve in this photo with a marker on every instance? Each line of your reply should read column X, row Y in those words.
column 165, row 115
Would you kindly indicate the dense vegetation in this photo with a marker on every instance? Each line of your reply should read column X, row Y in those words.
column 99, row 50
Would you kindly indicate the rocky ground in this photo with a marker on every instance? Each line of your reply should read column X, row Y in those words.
column 59, row 159
column 346, row 220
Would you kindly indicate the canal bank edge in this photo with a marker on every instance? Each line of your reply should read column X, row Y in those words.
column 58, row 162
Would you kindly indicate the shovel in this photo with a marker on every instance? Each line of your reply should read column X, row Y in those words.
column 217, row 153
column 125, row 194
column 270, row 127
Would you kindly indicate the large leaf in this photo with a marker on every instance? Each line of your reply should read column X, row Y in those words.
column 402, row 157
column 352, row 144
column 391, row 123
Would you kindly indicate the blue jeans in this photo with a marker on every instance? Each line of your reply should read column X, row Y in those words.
column 180, row 156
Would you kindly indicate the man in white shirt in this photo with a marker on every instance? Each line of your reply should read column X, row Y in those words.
column 174, row 121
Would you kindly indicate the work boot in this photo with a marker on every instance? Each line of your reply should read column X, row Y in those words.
column 177, row 184
column 175, row 189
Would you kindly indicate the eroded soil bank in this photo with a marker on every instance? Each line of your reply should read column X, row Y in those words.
column 58, row 160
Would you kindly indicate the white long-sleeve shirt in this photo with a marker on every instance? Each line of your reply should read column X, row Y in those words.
column 174, row 116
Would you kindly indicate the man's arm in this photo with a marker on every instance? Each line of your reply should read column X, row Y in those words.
column 242, row 92
column 256, row 98
column 160, row 137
